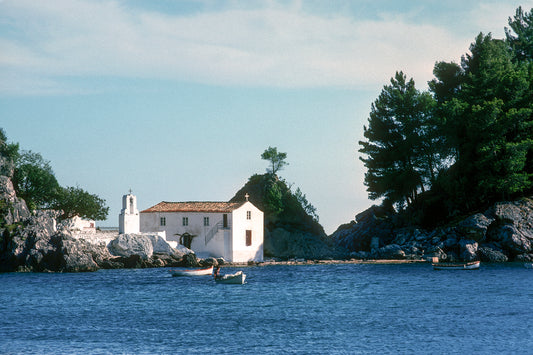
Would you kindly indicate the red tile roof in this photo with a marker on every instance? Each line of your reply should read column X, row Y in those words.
column 214, row 207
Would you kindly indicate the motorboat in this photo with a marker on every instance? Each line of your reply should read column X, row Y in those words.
column 192, row 272
column 456, row 266
column 236, row 278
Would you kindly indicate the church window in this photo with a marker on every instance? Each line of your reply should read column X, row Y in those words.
column 185, row 221
column 248, row 238
column 163, row 221
column 248, row 214
column 206, row 221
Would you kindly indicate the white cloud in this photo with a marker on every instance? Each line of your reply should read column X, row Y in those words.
column 273, row 46
column 492, row 16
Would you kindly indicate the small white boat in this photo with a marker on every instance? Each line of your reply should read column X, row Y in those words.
column 236, row 278
column 528, row 265
column 456, row 266
column 192, row 272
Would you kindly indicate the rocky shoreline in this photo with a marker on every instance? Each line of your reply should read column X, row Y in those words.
column 503, row 232
column 35, row 242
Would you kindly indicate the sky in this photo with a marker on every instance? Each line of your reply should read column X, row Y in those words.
column 176, row 100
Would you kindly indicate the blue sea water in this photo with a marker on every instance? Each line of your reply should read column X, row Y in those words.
column 309, row 309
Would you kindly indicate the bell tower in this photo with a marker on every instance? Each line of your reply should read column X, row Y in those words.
column 128, row 220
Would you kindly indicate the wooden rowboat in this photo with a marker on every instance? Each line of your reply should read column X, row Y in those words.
column 192, row 272
column 456, row 266
column 237, row 278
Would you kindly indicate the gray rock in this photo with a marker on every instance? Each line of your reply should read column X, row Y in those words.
column 7, row 167
column 491, row 255
column 14, row 210
column 79, row 255
column 474, row 227
column 143, row 244
column 512, row 238
column 190, row 260
column 514, row 227
column 209, row 262
column 286, row 244
column 524, row 257
column 127, row 245
column 468, row 250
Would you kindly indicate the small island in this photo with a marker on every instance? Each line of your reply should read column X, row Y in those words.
column 451, row 167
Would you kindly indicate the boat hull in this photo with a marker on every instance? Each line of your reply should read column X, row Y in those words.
column 192, row 272
column 237, row 278
column 456, row 266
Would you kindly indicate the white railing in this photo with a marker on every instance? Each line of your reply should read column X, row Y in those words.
column 213, row 231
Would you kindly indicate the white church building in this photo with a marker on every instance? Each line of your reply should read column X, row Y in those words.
column 231, row 230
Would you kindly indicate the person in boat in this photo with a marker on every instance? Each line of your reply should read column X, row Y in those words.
column 216, row 273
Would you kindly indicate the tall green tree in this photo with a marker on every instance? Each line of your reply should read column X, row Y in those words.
column 276, row 159
column 398, row 154
column 519, row 35
column 74, row 201
column 9, row 151
column 34, row 180
column 486, row 119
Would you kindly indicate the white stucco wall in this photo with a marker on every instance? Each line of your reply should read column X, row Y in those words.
column 151, row 221
column 128, row 220
column 77, row 223
column 241, row 252
column 228, row 243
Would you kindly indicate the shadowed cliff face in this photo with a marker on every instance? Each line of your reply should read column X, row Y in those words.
column 501, row 233
column 290, row 232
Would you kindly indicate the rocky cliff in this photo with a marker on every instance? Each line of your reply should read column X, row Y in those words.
column 504, row 232
column 35, row 242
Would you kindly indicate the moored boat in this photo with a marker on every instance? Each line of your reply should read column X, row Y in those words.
column 192, row 272
column 456, row 266
column 528, row 265
column 236, row 278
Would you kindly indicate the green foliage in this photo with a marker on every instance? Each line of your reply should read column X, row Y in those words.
column 276, row 159
column 273, row 196
column 280, row 205
column 520, row 35
column 487, row 121
column 34, row 180
column 401, row 155
column 7, row 150
column 308, row 208
column 472, row 145
column 74, row 201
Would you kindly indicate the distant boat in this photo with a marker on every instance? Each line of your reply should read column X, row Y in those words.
column 236, row 278
column 528, row 265
column 456, row 266
column 192, row 272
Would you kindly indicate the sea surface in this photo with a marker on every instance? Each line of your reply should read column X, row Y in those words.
column 308, row 309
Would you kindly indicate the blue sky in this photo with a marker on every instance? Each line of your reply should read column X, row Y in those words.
column 178, row 99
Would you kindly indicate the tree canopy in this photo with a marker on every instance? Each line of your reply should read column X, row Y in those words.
column 35, row 182
column 276, row 159
column 470, row 138
column 399, row 156
column 74, row 201
column 519, row 35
